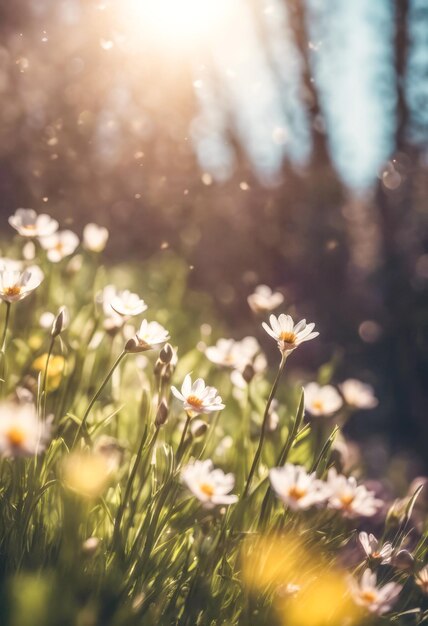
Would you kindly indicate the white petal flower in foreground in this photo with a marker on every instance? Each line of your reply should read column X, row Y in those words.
column 128, row 304
column 211, row 486
column 16, row 285
column 21, row 431
column 95, row 237
column 287, row 334
column 322, row 400
column 296, row 488
column 60, row 245
column 197, row 398
column 381, row 554
column 351, row 499
column 376, row 599
column 264, row 300
column 151, row 335
column 358, row 394
column 29, row 224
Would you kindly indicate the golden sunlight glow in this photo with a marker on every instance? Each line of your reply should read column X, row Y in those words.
column 178, row 22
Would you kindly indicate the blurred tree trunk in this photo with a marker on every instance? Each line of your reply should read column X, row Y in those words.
column 396, row 207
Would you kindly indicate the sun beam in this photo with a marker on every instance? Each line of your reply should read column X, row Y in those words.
column 177, row 23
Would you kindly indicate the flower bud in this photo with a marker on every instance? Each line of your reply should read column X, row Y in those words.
column 162, row 413
column 157, row 370
column 59, row 322
column 248, row 373
column 166, row 354
column 198, row 428
column 403, row 560
column 132, row 345
column 168, row 370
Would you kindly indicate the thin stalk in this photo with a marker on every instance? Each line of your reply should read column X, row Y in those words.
column 149, row 447
column 129, row 485
column 6, row 324
column 97, row 395
column 264, row 424
column 180, row 449
column 45, row 376
column 283, row 456
column 3, row 344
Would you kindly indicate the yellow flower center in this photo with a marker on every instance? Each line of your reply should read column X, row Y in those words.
column 347, row 499
column 194, row 401
column 16, row 436
column 296, row 492
column 368, row 596
column 13, row 290
column 207, row 489
column 59, row 247
column 375, row 555
column 287, row 337
column 318, row 405
column 30, row 227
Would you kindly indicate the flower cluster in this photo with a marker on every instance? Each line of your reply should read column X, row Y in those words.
column 300, row 490
column 137, row 456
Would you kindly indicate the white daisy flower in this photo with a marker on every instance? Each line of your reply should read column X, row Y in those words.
column 421, row 579
column 112, row 320
column 322, row 400
column 223, row 353
column 351, row 499
column 366, row 593
column 372, row 549
column 231, row 353
column 151, row 335
column 211, row 486
column 197, row 398
column 240, row 356
column 296, row 488
column 60, row 245
column 289, row 335
column 21, row 431
column 358, row 394
column 12, row 265
column 128, row 304
column 95, row 237
column 264, row 300
column 17, row 285
column 29, row 224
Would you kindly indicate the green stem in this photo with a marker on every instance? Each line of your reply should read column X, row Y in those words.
column 264, row 424
column 129, row 485
column 45, row 376
column 3, row 343
column 6, row 324
column 96, row 396
column 180, row 450
column 283, row 456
